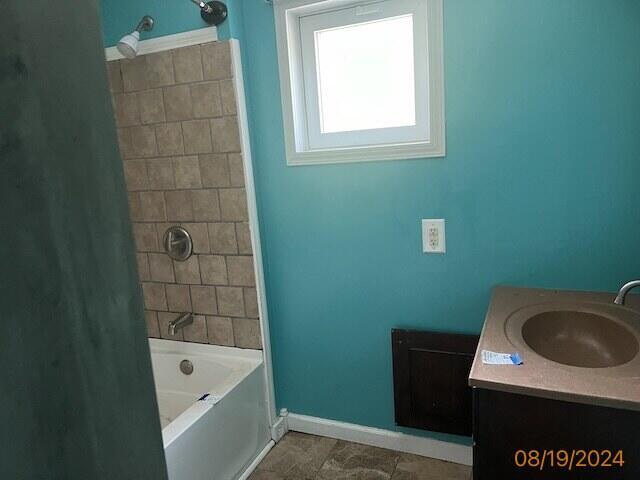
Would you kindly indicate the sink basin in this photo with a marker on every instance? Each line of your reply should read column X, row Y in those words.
column 575, row 346
column 580, row 339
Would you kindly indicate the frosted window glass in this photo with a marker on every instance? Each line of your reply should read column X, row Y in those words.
column 366, row 75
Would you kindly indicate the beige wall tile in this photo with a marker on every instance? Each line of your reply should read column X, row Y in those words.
column 179, row 205
column 204, row 299
column 135, row 206
column 225, row 133
column 115, row 76
column 134, row 74
column 151, row 106
column 177, row 103
column 187, row 272
column 178, row 298
column 142, row 141
column 240, row 270
column 236, row 170
column 222, row 238
column 251, row 302
column 154, row 296
column 206, row 100
column 214, row 170
column 126, row 109
column 146, row 237
column 160, row 69
column 144, row 274
column 197, row 331
column 233, row 204
column 153, row 206
column 206, row 206
column 213, row 270
column 160, row 171
column 202, row 194
column 170, row 140
column 227, row 94
column 244, row 239
column 164, row 318
column 246, row 333
column 186, row 171
column 187, row 64
column 230, row 301
column 216, row 60
column 151, row 319
column 135, row 175
column 161, row 268
column 199, row 235
column 220, row 331
column 197, row 137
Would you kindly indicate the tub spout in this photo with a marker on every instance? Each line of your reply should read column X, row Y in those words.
column 180, row 322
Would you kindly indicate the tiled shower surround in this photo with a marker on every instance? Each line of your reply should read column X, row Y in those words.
column 179, row 140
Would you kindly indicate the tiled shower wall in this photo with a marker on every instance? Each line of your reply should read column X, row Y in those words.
column 179, row 140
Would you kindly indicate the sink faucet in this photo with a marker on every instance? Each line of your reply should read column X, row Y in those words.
column 180, row 322
column 624, row 290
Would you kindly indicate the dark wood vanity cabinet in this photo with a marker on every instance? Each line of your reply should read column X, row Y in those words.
column 525, row 437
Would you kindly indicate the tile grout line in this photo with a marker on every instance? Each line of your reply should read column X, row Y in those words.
column 395, row 466
column 325, row 460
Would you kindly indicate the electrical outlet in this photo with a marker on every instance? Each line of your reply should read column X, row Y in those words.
column 433, row 236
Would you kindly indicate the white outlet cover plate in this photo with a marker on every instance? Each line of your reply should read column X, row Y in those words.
column 436, row 242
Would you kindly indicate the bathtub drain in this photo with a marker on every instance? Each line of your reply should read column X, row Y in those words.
column 186, row 367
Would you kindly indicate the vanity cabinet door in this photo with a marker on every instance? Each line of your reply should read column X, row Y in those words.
column 513, row 433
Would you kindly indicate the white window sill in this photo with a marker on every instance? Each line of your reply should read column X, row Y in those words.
column 366, row 154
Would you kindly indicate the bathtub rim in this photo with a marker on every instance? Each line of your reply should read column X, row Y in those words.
column 187, row 418
column 178, row 346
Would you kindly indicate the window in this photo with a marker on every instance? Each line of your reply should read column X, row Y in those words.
column 361, row 81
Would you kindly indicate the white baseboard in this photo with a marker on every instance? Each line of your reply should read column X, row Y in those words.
column 377, row 437
column 279, row 429
column 256, row 461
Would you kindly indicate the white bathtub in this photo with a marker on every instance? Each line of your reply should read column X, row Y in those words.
column 203, row 440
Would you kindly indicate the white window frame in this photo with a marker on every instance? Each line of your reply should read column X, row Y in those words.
column 299, row 128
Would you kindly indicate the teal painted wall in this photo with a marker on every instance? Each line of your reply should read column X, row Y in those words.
column 171, row 16
column 539, row 188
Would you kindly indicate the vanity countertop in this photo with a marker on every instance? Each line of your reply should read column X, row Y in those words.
column 617, row 386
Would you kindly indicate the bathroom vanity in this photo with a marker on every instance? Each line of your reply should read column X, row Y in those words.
column 572, row 409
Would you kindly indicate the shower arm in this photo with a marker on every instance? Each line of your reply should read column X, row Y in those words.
column 203, row 6
column 145, row 24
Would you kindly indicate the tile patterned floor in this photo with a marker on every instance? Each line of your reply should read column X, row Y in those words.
column 306, row 457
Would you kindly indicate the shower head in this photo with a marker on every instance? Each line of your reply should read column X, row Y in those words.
column 128, row 45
